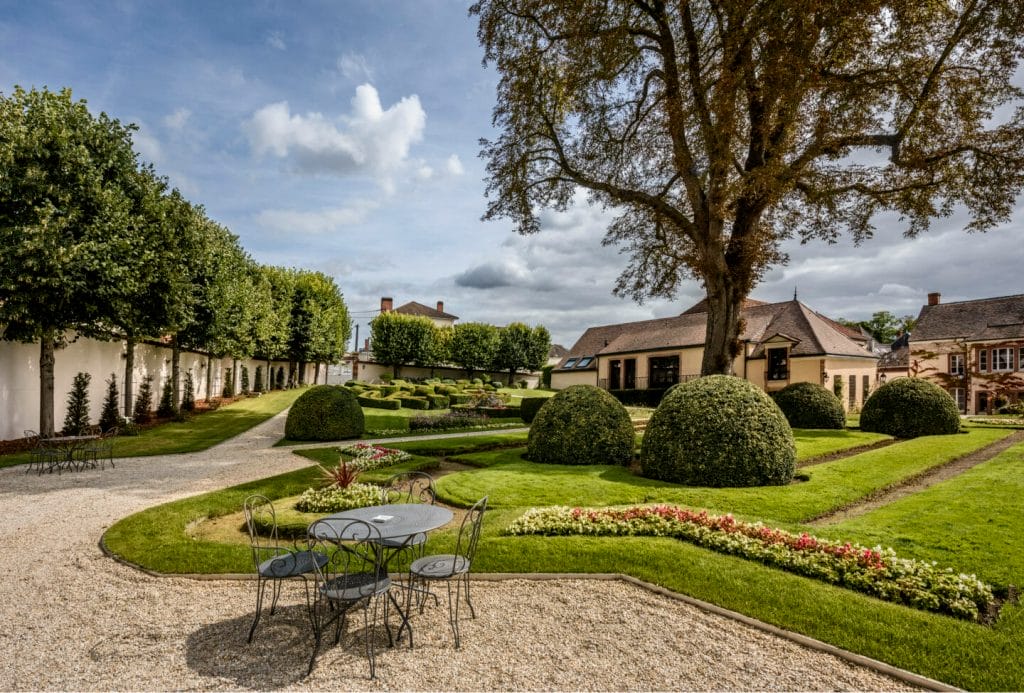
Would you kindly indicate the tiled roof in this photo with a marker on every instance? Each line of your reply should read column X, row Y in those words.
column 813, row 335
column 701, row 306
column 898, row 358
column 557, row 351
column 984, row 319
column 414, row 308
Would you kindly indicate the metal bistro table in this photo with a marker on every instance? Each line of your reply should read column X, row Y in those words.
column 66, row 446
column 394, row 521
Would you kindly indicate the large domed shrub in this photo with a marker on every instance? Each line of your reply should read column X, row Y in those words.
column 809, row 405
column 325, row 412
column 582, row 424
column 529, row 406
column 718, row 431
column 910, row 407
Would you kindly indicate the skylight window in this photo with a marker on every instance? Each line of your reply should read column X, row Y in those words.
column 584, row 362
column 570, row 363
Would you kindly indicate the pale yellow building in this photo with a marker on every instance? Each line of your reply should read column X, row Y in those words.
column 783, row 343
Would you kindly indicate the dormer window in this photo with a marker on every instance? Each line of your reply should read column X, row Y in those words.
column 778, row 363
column 570, row 363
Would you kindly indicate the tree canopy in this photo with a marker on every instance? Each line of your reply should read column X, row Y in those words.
column 718, row 129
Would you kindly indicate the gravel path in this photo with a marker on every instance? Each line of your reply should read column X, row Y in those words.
column 73, row 619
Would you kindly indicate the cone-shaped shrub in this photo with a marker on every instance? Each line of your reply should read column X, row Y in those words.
column 908, row 408
column 718, row 431
column 809, row 405
column 325, row 412
column 582, row 424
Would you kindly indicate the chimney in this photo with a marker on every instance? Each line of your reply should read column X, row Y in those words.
column 386, row 304
column 933, row 298
column 366, row 344
column 440, row 306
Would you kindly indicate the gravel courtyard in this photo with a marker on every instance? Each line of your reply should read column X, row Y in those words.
column 73, row 619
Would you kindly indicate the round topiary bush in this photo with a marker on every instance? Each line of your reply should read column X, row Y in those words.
column 718, row 431
column 529, row 406
column 582, row 424
column 908, row 408
column 325, row 412
column 809, row 405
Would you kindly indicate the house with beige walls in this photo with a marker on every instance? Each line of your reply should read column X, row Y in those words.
column 782, row 343
column 973, row 349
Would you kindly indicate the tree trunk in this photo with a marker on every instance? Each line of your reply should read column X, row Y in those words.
column 268, row 386
column 316, row 373
column 209, row 376
column 46, row 361
column 236, row 382
column 129, row 375
column 511, row 377
column 175, row 373
column 722, row 341
column 395, row 370
column 302, row 373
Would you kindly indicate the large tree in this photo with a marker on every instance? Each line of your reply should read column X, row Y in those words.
column 719, row 128
column 521, row 347
column 473, row 346
column 64, row 217
column 398, row 339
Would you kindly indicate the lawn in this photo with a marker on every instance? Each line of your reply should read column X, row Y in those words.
column 969, row 523
column 198, row 433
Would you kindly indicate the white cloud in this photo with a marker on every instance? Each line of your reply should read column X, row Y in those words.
column 354, row 67
column 178, row 119
column 454, row 165
column 370, row 140
column 315, row 222
column 147, row 146
column 276, row 41
column 424, row 172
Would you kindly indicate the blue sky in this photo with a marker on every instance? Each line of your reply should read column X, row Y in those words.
column 342, row 136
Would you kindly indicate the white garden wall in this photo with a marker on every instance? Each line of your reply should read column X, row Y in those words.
column 19, row 377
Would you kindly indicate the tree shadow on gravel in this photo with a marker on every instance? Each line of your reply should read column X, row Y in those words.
column 279, row 654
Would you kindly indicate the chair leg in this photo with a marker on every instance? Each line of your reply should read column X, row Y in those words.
column 277, row 593
column 453, row 610
column 472, row 611
column 259, row 605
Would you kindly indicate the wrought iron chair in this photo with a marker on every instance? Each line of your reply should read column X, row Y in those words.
column 43, row 457
column 273, row 562
column 451, row 567
column 350, row 576
column 101, row 450
column 407, row 487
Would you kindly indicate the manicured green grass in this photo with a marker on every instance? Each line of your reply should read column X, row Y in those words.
column 199, row 433
column 811, row 443
column 969, row 523
column 514, row 482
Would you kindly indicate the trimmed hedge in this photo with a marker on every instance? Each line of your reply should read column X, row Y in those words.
column 910, row 407
column 438, row 401
column 413, row 402
column 377, row 403
column 582, row 424
column 325, row 412
column 718, row 431
column 809, row 405
column 529, row 407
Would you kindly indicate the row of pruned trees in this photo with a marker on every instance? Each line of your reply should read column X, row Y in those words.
column 400, row 340
column 96, row 244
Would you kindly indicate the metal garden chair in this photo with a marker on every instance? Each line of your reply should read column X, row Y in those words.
column 43, row 458
column 451, row 567
column 272, row 561
column 350, row 577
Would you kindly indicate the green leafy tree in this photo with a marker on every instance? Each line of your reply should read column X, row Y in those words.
column 273, row 344
column 77, row 416
column 399, row 339
column 188, row 393
column 64, row 214
column 474, row 345
column 144, row 402
column 521, row 347
column 258, row 382
column 437, row 349
column 166, row 408
column 719, row 129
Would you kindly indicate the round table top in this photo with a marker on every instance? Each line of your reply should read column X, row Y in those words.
column 397, row 520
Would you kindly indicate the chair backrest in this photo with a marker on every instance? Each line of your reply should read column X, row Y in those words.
column 111, row 432
column 354, row 567
column 409, row 487
column 261, row 522
column 469, row 531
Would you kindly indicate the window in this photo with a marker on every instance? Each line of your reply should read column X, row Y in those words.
column 983, row 360
column 664, row 371
column 853, row 391
column 982, row 403
column 865, row 387
column 615, row 374
column 629, row 374
column 778, row 364
column 956, row 364
column 960, row 395
column 1002, row 359
column 584, row 362
column 570, row 363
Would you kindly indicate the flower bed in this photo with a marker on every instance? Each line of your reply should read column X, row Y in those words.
column 366, row 457
column 333, row 499
column 877, row 572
